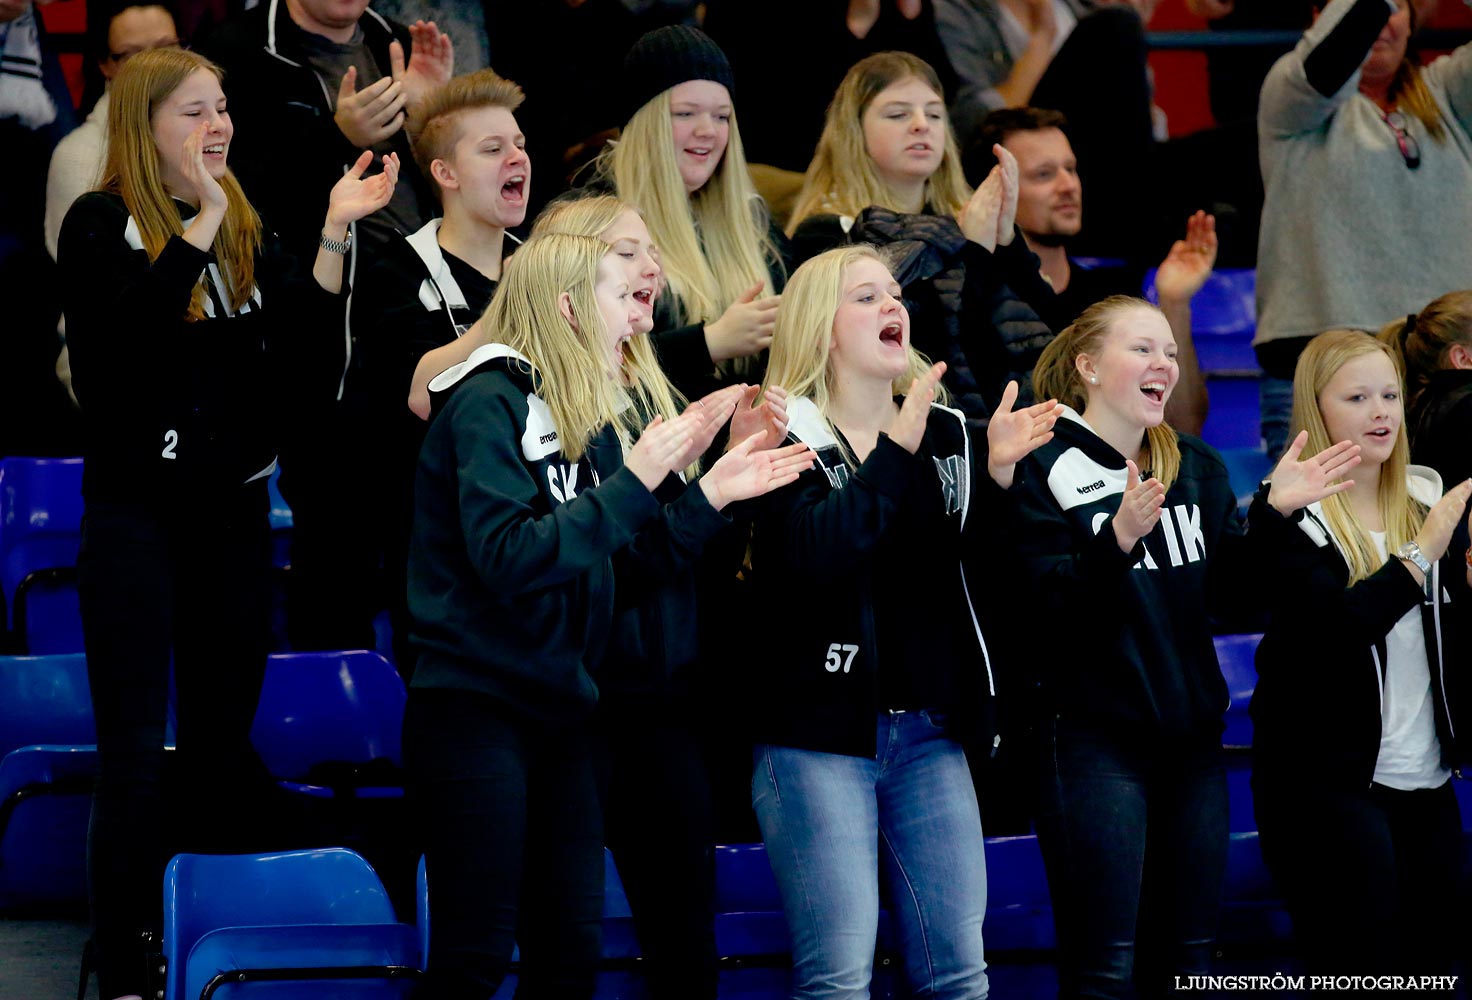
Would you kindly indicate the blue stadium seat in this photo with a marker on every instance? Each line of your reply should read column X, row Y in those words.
column 44, row 699
column 293, row 926
column 45, row 802
column 1223, row 319
column 1019, row 911
column 331, row 722
column 40, row 532
column 1236, row 655
column 1247, row 467
column 281, row 523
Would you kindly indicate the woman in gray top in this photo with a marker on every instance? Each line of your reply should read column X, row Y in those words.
column 1367, row 167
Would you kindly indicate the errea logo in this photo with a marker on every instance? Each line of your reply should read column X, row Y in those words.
column 547, row 438
column 1092, row 487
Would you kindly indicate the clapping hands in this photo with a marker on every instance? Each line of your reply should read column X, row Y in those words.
column 355, row 196
column 990, row 216
column 909, row 427
column 1014, row 434
column 431, row 61
column 767, row 420
column 1139, row 509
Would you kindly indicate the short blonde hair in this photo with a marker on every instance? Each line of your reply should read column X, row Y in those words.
column 436, row 125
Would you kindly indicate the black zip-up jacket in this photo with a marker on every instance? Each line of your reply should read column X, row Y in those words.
column 173, row 405
column 511, row 580
column 407, row 305
column 1125, row 643
column 1321, row 663
column 814, row 546
column 1440, row 425
column 283, row 115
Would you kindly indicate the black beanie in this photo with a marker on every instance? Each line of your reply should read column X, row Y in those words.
column 667, row 57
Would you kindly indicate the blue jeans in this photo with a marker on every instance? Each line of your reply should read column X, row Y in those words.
column 1134, row 838
column 1275, row 404
column 833, row 825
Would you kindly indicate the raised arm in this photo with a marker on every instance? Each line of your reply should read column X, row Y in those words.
column 1306, row 86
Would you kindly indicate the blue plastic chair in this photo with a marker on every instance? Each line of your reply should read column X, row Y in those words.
column 45, row 802
column 40, row 533
column 44, row 699
column 1236, row 655
column 1223, row 319
column 1247, row 467
column 1019, row 911
column 294, row 926
column 330, row 722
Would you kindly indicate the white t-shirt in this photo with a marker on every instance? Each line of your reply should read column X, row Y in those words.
column 1410, row 753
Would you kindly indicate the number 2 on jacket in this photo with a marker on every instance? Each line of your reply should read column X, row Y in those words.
column 171, row 440
column 835, row 660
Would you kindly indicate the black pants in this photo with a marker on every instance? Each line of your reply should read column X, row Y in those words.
column 1370, row 876
column 1134, row 839
column 189, row 582
column 659, row 824
column 513, row 843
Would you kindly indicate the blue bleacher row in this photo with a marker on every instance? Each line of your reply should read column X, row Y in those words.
column 329, row 725
column 340, row 713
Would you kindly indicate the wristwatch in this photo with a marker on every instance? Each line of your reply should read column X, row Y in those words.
column 333, row 246
column 1412, row 553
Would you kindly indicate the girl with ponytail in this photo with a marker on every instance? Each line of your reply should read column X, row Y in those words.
column 1131, row 538
column 186, row 323
column 1435, row 349
column 532, row 479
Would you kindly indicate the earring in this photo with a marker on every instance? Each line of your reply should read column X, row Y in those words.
column 1093, row 380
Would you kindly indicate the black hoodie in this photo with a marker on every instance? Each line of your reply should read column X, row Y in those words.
column 1124, row 639
column 511, row 583
column 859, row 555
column 173, row 407
column 1316, row 713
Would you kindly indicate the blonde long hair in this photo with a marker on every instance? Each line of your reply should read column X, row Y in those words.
column 842, row 178
column 1408, row 88
column 802, row 337
column 569, row 370
column 1403, row 515
column 133, row 170
column 714, row 243
column 1421, row 342
column 644, row 379
column 1057, row 376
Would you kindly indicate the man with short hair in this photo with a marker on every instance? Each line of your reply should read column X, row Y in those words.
column 1050, row 215
column 311, row 83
